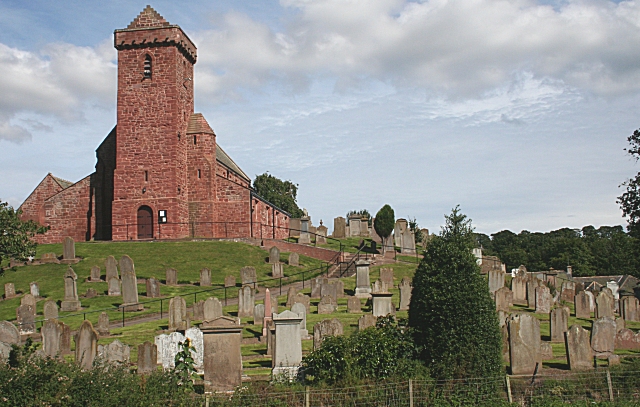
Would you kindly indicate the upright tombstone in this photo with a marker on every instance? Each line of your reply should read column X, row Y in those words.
column 496, row 280
column 205, row 277
column 178, row 320
column 519, row 289
column 305, row 228
column 330, row 288
column 171, row 277
column 382, row 305
column 532, row 284
column 503, row 299
column 301, row 310
column 405, row 293
column 354, row 306
column 524, row 344
column 86, row 340
column 582, row 305
column 274, row 255
column 604, row 305
column 408, row 242
column 52, row 331
column 592, row 301
column 386, row 276
column 327, row 305
column 559, row 323
column 95, row 274
column 168, row 348
column 153, row 288
column 268, row 312
column 302, row 299
column 116, row 352
column 568, row 291
column 544, row 300
column 9, row 291
column 321, row 234
column 248, row 275
column 68, row 250
column 195, row 335
column 212, row 309
column 198, row 310
column 277, row 270
column 103, row 324
column 9, row 335
column 129, row 285
column 111, row 267
column 28, row 299
column 603, row 335
column 246, row 301
column 291, row 293
column 114, row 287
column 579, row 353
column 26, row 318
column 229, row 281
column 339, row 226
column 258, row 314
column 70, row 302
column 34, row 289
column 287, row 355
column 50, row 310
column 147, row 357
column 294, row 259
column 324, row 328
column 366, row 321
column 222, row 338
column 629, row 308
column 363, row 284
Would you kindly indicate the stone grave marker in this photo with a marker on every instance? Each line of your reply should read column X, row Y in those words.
column 86, row 339
column 111, row 266
column 496, row 280
column 198, row 310
column 114, row 287
column 171, row 277
column 229, row 281
column 91, row 293
column 47, row 258
column 582, row 305
column 568, row 291
column 95, row 274
column 129, row 285
column 9, row 335
column 405, row 293
column 116, row 352
column 330, row 288
column 504, row 299
column 268, row 312
column 559, row 323
column 301, row 310
column 382, row 305
column 304, row 300
column 628, row 340
column 544, row 300
column 147, row 357
column 379, row 287
column 212, row 309
column 258, row 314
column 603, row 335
column 519, row 289
column 196, row 337
column 327, row 305
column 68, row 250
column 592, row 301
column 178, row 320
column 620, row 324
column 546, row 351
column 28, row 299
column 316, row 286
column 65, row 339
column 291, row 293
column 604, row 305
column 51, row 332
column 274, row 255
column 305, row 236
column 363, row 284
column 50, row 310
column 153, row 288
column 246, row 301
column 324, row 328
column 532, row 284
column 287, row 355
column 205, row 277
column 9, row 291
column 70, row 302
column 26, row 318
column 353, row 305
column 277, row 270
column 103, row 324
column 294, row 259
column 168, row 348
column 629, row 308
column 579, row 353
column 339, row 226
column 366, row 321
column 222, row 339
column 386, row 276
column 34, row 289
column 524, row 344
column 248, row 275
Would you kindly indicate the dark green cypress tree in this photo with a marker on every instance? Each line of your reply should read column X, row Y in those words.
column 451, row 310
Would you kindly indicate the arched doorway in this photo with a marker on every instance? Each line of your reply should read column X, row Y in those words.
column 145, row 223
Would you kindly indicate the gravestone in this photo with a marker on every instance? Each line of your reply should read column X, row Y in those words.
column 268, row 312
column 114, row 287
column 628, row 340
column 603, row 335
column 147, row 357
column 274, row 255
column 331, row 288
column 198, row 310
column 171, row 277
column 366, row 321
column 50, row 310
column 582, row 305
column 546, row 351
column 544, row 300
column 26, row 317
column 91, row 293
column 316, row 286
column 168, row 347
column 405, row 293
column 195, row 335
column 294, row 259
column 153, row 288
column 382, row 305
column 379, row 287
column 51, row 332
column 129, row 285
column 568, row 291
column 305, row 228
column 304, row 300
column 65, row 339
column 496, row 280
column 504, row 299
column 86, row 339
column 28, row 299
column 579, row 353
column 629, row 308
column 103, row 324
column 327, row 305
column 604, row 305
column 95, row 274
column 230, row 281
column 222, row 361
column 9, row 335
column 620, row 324
column 277, row 270
column 70, row 302
column 34, row 289
column 321, row 234
column 519, row 289
column 353, row 305
column 524, row 344
column 386, row 276
column 592, row 301
column 116, row 352
column 111, row 267
column 246, row 301
column 532, row 284
column 339, row 225
column 9, row 291
column 205, row 277
column 559, row 323
column 287, row 355
column 302, row 313
column 178, row 314
column 212, row 309
column 363, row 284
column 68, row 250
column 47, row 258
column 291, row 293
column 324, row 328
column 258, row 314
column 248, row 275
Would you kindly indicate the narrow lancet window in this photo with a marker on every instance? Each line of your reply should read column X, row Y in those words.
column 147, row 67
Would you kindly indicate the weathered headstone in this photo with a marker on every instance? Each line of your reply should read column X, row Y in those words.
column 212, row 309
column 405, row 293
column 168, row 347
column 363, row 284
column 222, row 361
column 291, row 293
column 114, row 287
column 628, row 340
column 304, row 300
column 339, row 225
column 103, row 324
column 559, row 323
column 230, row 281
column 604, row 305
column 354, row 306
column 579, row 353
column 70, row 302
column 532, row 284
column 331, row 288
column 9, row 335
column 171, row 277
column 153, row 288
column 194, row 334
column 115, row 352
column 327, row 305
column 26, row 317
column 65, row 339
column 9, row 291
column 28, row 299
column 277, row 270
column 603, row 335
column 111, row 266
column 519, row 289
column 34, row 289
column 620, row 324
column 47, row 258
column 178, row 314
column 68, row 250
column 147, row 357
column 582, row 306
column 246, row 301
column 50, row 310
column 198, row 310
column 366, row 321
column 524, row 344
column 91, row 293
column 248, row 275
column 592, row 301
column 504, row 299
column 568, row 291
column 546, row 351
column 496, row 280
column 258, row 314
column 386, row 276
column 305, row 228
column 294, row 259
column 95, row 274
column 382, row 305
column 129, row 285
column 379, row 287
column 51, row 332
column 301, row 310
column 274, row 255
column 287, row 355
column 205, row 277
column 324, row 328
column 544, row 300
column 629, row 308
column 86, row 340
column 316, row 286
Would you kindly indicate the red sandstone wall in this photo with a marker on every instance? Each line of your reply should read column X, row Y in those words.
column 233, row 209
column 33, row 207
column 310, row 251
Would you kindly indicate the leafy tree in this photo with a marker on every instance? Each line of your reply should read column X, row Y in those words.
column 184, row 368
column 384, row 223
column 629, row 201
column 16, row 234
column 451, row 311
column 283, row 194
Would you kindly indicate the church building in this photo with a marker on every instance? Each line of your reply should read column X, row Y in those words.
column 160, row 173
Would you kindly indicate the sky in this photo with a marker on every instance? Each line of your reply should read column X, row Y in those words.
column 518, row 111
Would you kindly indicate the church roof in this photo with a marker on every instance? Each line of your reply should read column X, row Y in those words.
column 228, row 162
column 148, row 18
column 62, row 182
column 198, row 124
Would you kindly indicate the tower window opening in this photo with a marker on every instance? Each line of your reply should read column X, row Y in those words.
column 199, row 174
column 147, row 67
column 195, row 140
column 146, row 176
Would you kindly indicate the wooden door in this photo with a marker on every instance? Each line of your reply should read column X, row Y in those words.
column 145, row 223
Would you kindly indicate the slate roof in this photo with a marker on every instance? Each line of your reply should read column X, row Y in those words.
column 625, row 282
column 62, row 182
column 229, row 163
